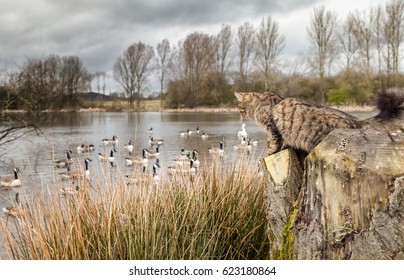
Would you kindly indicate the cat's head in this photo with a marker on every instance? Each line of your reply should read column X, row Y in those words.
column 244, row 102
column 249, row 101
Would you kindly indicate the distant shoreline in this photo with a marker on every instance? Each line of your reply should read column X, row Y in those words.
column 348, row 108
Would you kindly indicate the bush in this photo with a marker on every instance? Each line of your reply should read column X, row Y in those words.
column 339, row 96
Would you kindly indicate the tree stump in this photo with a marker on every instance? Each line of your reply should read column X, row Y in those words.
column 348, row 203
column 284, row 180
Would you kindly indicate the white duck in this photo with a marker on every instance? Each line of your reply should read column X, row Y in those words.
column 242, row 133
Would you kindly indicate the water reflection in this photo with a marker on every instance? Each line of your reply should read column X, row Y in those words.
column 35, row 155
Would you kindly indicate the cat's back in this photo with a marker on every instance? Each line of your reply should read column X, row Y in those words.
column 303, row 125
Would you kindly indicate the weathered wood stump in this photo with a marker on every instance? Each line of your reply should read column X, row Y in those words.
column 348, row 203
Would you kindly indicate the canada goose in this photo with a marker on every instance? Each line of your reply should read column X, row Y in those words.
column 138, row 160
column 242, row 132
column 145, row 177
column 217, row 151
column 186, row 133
column 15, row 210
column 204, row 136
column 129, row 147
column 107, row 158
column 195, row 131
column 76, row 174
column 153, row 141
column 109, row 141
column 243, row 145
column 196, row 162
column 153, row 154
column 183, row 169
column 11, row 181
column 150, row 131
column 65, row 161
column 85, row 148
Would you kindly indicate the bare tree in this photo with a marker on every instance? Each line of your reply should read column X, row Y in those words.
column 75, row 78
column 13, row 126
column 165, row 56
column 38, row 84
column 394, row 34
column 321, row 34
column 270, row 45
column 223, row 44
column 346, row 38
column 197, row 57
column 245, row 42
column 377, row 29
column 99, row 78
column 363, row 31
column 132, row 69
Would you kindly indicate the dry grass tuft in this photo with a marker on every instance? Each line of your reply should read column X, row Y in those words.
column 218, row 214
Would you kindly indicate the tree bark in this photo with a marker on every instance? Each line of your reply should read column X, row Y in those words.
column 348, row 203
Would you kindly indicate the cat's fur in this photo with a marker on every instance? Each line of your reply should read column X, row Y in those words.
column 297, row 124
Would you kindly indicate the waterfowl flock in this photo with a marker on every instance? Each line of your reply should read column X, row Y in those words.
column 141, row 165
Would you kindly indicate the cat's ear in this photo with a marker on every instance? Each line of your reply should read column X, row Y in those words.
column 239, row 96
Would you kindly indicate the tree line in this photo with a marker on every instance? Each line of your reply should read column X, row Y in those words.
column 348, row 60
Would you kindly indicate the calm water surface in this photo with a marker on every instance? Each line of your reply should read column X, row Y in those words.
column 35, row 155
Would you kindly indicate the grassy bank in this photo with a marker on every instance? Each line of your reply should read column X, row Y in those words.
column 154, row 106
column 218, row 214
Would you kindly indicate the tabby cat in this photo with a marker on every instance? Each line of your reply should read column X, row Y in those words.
column 297, row 124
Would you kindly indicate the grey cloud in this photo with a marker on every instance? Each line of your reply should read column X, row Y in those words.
column 99, row 31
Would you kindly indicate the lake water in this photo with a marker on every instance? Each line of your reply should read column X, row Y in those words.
column 35, row 155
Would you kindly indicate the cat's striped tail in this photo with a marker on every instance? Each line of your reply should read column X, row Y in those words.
column 390, row 102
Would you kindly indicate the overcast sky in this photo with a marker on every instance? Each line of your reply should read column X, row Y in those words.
column 98, row 31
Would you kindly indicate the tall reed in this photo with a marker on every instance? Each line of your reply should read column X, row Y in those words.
column 217, row 214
